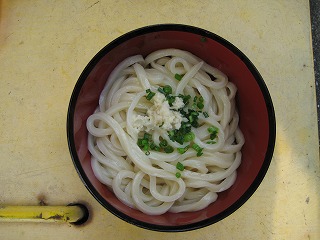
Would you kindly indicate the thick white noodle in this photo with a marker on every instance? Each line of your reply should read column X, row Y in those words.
column 148, row 182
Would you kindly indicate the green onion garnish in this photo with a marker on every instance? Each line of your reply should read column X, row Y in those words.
column 161, row 91
column 140, row 144
column 152, row 146
column 185, row 98
column 178, row 134
column 188, row 137
column 178, row 175
column 171, row 99
column 167, row 89
column 147, row 136
column 180, row 166
column 194, row 113
column 213, row 129
column 200, row 105
column 146, row 147
column 163, row 143
column 171, row 134
column 198, row 149
column 146, row 143
column 195, row 124
column 150, row 94
column 213, row 132
column 182, row 150
column 178, row 76
column 205, row 114
column 195, row 99
column 194, row 105
column 168, row 149
column 199, row 153
column 198, row 102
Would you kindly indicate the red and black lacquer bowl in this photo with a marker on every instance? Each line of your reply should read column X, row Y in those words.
column 257, row 119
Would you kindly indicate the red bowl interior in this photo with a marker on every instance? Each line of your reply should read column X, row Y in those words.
column 254, row 104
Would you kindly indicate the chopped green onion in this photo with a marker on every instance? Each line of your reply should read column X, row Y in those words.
column 193, row 116
column 152, row 146
column 198, row 102
column 146, row 147
column 178, row 76
column 171, row 134
column 198, row 149
column 147, row 153
column 205, row 114
column 161, row 91
column 213, row 136
column 163, row 143
column 178, row 175
column 140, row 144
column 178, row 134
column 194, row 113
column 171, row 100
column 194, row 105
column 199, row 153
column 183, row 112
column 200, row 105
column 195, row 124
column 213, row 132
column 147, row 136
column 184, row 98
column 180, row 166
column 167, row 89
column 195, row 99
column 150, row 96
column 188, row 137
column 168, row 149
column 182, row 150
column 213, row 129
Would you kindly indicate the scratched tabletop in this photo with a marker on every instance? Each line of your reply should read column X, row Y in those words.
column 45, row 45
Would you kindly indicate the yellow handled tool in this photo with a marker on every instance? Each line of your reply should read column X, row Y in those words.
column 74, row 213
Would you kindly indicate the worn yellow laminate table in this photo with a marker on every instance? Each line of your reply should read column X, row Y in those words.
column 44, row 46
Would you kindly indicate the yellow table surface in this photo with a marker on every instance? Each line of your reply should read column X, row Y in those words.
column 45, row 45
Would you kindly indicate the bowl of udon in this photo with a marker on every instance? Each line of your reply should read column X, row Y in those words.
column 171, row 127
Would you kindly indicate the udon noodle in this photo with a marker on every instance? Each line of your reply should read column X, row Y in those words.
column 165, row 135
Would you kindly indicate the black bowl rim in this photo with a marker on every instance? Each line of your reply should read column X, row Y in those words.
column 203, row 33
